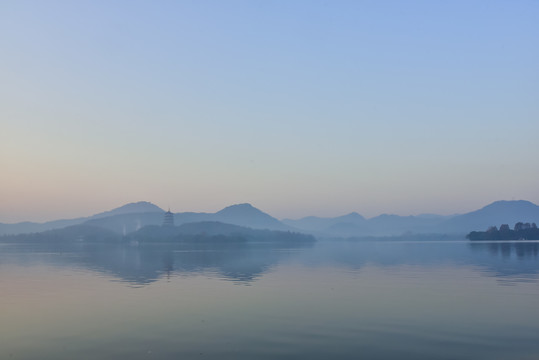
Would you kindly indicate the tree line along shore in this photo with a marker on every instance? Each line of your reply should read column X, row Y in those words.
column 521, row 231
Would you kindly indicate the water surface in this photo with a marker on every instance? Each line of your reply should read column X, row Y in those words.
column 331, row 299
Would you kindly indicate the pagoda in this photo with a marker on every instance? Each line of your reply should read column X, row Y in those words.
column 168, row 219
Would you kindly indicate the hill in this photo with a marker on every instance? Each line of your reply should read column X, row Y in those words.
column 248, row 215
column 126, row 223
column 131, row 208
column 207, row 231
column 213, row 231
column 73, row 233
column 243, row 215
column 354, row 224
column 134, row 216
column 31, row 227
column 499, row 212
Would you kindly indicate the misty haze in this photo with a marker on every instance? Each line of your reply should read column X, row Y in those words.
column 282, row 179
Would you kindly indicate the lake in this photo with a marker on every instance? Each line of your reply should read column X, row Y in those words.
column 331, row 299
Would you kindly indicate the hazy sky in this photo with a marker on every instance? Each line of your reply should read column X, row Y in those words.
column 298, row 107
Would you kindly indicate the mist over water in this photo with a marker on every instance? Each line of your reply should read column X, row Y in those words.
column 329, row 299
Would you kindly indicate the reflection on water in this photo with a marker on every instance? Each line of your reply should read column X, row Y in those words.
column 512, row 260
column 144, row 264
column 332, row 299
column 506, row 249
column 247, row 262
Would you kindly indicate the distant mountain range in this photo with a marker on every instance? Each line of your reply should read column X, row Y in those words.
column 140, row 207
column 242, row 215
column 356, row 225
column 132, row 217
column 495, row 214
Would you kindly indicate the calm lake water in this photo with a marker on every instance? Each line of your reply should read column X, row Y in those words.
column 328, row 300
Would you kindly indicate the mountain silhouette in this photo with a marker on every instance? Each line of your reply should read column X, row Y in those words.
column 248, row 215
column 29, row 227
column 242, row 215
column 131, row 208
column 495, row 214
column 352, row 223
column 133, row 216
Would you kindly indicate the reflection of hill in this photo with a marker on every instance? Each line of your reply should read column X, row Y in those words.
column 235, row 252
column 508, row 258
column 139, row 265
column 147, row 263
column 515, row 261
column 520, row 249
column 247, row 261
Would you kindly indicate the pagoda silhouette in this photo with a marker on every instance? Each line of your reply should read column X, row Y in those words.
column 168, row 219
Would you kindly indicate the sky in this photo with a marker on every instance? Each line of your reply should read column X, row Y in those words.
column 297, row 107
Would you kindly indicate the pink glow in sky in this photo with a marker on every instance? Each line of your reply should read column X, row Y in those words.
column 300, row 108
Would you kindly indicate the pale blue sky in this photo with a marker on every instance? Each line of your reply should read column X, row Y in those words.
column 298, row 107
